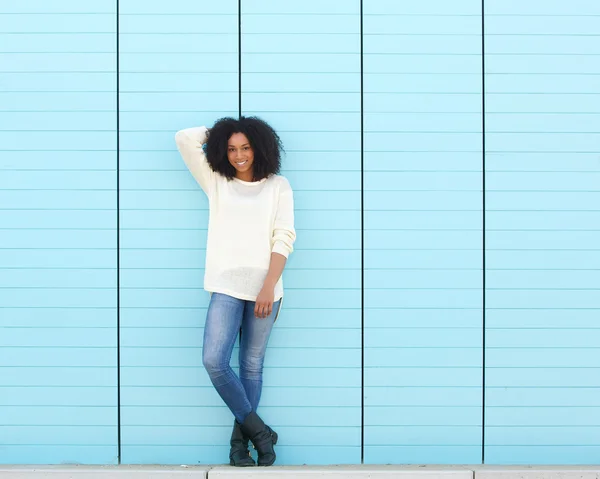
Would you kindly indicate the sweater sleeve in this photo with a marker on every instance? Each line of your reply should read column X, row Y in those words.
column 284, row 234
column 189, row 143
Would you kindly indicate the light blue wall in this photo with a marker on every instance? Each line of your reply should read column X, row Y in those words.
column 178, row 68
column 423, row 231
column 542, row 235
column 301, row 72
column 415, row 193
column 58, row 237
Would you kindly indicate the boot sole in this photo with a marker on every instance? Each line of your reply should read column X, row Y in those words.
column 249, row 464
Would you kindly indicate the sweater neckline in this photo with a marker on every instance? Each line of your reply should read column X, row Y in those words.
column 249, row 183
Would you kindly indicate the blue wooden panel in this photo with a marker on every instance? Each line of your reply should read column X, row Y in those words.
column 295, row 318
column 47, row 454
column 61, row 42
column 139, row 23
column 156, row 278
column 156, row 82
column 542, row 287
column 192, row 203
column 543, row 397
column 282, row 338
column 57, row 81
column 276, row 377
column 430, row 44
column 214, row 454
column 58, row 258
column 38, row 22
column 535, row 84
column 35, row 238
column 462, row 454
column 61, row 180
column 435, row 24
column 178, row 69
column 541, row 7
column 279, row 357
column 546, row 318
column 294, row 160
column 420, row 122
column 422, row 435
column 549, row 377
column 301, row 72
column 54, row 416
column 531, row 44
column 60, row 6
column 173, row 258
column 62, row 121
column 86, row 317
column 49, row 62
column 177, row 43
column 62, row 377
column 60, row 101
column 272, row 396
column 178, row 7
column 60, row 298
column 194, row 297
column 575, row 455
column 423, row 317
column 543, row 357
column 546, row 161
column 302, row 24
column 217, row 416
column 75, row 396
column 51, row 219
column 431, row 7
column 543, row 201
column 26, row 160
column 58, row 243
column 525, row 416
column 423, row 230
column 59, row 357
column 538, row 64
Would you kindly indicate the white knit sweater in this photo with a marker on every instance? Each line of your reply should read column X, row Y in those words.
column 248, row 221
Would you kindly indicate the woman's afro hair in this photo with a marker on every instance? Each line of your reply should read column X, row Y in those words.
column 263, row 139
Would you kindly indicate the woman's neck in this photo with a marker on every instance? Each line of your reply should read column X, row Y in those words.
column 245, row 176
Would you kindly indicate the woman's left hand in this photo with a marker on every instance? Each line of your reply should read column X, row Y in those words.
column 264, row 302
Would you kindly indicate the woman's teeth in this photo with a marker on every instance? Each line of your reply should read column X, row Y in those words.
column 240, row 163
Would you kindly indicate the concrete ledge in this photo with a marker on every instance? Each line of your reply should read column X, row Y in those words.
column 103, row 472
column 537, row 472
column 346, row 472
column 302, row 472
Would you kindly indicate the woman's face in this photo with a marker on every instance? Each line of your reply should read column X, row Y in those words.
column 241, row 156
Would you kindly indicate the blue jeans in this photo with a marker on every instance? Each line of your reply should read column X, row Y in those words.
column 226, row 315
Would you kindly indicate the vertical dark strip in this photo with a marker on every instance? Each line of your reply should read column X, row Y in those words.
column 118, row 262
column 362, row 249
column 239, row 58
column 483, row 225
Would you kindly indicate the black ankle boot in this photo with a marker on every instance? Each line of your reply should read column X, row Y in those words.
column 263, row 438
column 239, row 455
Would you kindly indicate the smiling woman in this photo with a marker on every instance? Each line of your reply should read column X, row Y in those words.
column 250, row 235
column 248, row 149
column 241, row 156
